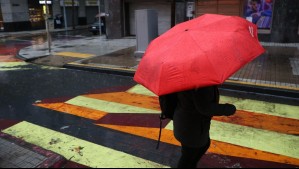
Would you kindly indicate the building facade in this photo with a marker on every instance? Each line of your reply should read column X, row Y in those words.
column 277, row 20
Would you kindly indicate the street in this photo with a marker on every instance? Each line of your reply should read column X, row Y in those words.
column 104, row 120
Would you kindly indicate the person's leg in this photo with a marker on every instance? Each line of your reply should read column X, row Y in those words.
column 191, row 156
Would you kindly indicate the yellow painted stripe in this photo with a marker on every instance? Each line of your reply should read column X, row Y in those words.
column 75, row 55
column 79, row 151
column 109, row 107
column 274, row 109
column 10, row 66
column 139, row 89
column 258, row 139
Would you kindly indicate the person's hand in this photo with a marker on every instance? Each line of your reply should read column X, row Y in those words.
column 230, row 110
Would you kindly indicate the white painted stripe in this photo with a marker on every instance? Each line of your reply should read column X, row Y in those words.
column 109, row 107
column 79, row 151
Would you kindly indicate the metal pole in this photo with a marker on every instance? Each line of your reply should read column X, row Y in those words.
column 47, row 26
column 100, row 22
column 64, row 13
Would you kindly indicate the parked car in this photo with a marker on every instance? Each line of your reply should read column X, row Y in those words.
column 94, row 28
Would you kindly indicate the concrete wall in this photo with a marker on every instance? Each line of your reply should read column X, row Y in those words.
column 114, row 20
column 285, row 22
column 15, row 15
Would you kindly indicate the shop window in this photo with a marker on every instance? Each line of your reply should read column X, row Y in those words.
column 260, row 12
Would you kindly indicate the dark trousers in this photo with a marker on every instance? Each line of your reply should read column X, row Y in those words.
column 191, row 156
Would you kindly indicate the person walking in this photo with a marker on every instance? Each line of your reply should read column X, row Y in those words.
column 192, row 120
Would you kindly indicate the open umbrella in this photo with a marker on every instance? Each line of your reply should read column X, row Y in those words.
column 202, row 52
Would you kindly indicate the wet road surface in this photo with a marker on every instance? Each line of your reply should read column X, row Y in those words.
column 101, row 120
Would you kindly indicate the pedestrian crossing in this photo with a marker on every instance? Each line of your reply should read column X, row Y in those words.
column 260, row 130
column 77, row 150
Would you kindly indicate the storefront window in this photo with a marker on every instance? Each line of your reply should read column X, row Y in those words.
column 36, row 14
column 1, row 20
column 260, row 12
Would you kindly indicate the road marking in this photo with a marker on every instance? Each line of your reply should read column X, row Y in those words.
column 274, row 109
column 108, row 107
column 9, row 58
column 132, row 99
column 266, row 135
column 75, row 55
column 79, row 151
column 262, row 121
column 258, row 139
column 74, row 110
column 217, row 147
column 11, row 66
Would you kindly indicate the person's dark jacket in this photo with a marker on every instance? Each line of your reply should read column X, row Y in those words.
column 192, row 117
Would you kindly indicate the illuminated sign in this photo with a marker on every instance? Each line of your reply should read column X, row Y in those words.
column 45, row 2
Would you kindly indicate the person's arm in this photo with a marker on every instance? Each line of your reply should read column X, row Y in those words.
column 204, row 101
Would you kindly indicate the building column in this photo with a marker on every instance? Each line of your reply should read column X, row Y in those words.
column 15, row 15
column 82, row 19
column 114, row 26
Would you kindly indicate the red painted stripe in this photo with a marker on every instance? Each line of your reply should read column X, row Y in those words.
column 4, row 124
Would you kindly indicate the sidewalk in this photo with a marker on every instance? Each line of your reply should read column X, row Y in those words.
column 277, row 70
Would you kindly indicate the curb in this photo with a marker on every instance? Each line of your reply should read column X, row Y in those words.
column 53, row 160
column 231, row 88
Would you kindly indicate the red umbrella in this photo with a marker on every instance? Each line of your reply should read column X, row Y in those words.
column 202, row 52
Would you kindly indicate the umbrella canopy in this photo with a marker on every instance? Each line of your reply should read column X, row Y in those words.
column 202, row 52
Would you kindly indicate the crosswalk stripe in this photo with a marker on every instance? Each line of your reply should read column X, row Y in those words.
column 274, row 109
column 11, row 66
column 79, row 151
column 74, row 110
column 9, row 58
column 249, row 137
column 262, row 121
column 217, row 147
column 128, row 99
column 109, row 107
column 258, row 139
